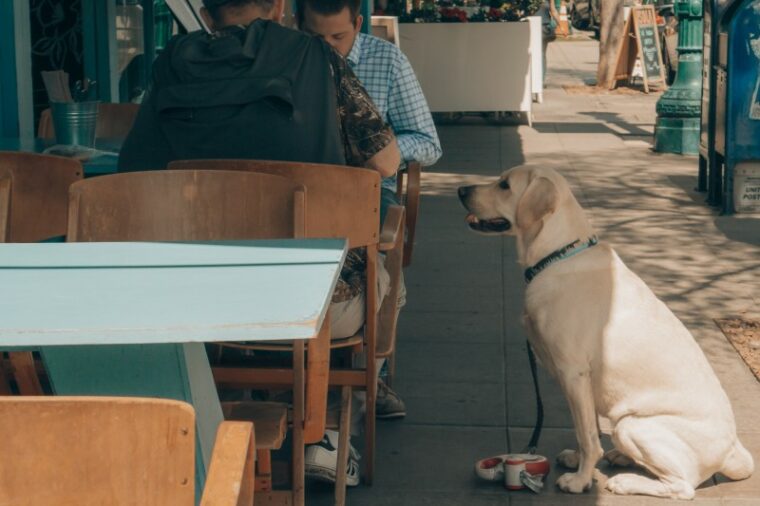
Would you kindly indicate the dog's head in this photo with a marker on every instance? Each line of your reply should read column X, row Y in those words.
column 533, row 203
column 514, row 203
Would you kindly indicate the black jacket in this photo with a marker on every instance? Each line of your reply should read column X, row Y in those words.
column 262, row 92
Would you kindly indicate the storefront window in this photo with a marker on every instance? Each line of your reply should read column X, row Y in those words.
column 130, row 47
column 56, row 31
column 134, row 70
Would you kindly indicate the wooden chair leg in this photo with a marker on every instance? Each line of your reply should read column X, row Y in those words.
column 400, row 187
column 387, row 318
column 344, row 433
column 370, row 422
column 263, row 481
column 25, row 372
column 299, row 476
column 5, row 386
column 412, row 205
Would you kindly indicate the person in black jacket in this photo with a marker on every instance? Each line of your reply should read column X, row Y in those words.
column 254, row 89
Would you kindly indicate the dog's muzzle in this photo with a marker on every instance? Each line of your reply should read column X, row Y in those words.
column 493, row 225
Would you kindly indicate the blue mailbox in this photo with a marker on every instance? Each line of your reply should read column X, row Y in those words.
column 737, row 106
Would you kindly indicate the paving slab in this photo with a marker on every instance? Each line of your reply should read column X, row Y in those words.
column 431, row 458
column 432, row 327
column 461, row 362
column 457, row 403
column 426, row 498
column 461, row 264
column 464, row 297
column 422, row 466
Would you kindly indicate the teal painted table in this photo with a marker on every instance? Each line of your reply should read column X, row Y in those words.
column 131, row 318
column 105, row 164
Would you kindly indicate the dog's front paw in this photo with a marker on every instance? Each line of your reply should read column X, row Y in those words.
column 568, row 459
column 573, row 483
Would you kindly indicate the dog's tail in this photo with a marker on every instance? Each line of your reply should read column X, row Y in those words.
column 738, row 464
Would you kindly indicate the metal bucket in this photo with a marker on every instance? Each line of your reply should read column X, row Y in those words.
column 75, row 122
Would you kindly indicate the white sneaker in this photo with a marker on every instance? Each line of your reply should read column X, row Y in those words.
column 321, row 460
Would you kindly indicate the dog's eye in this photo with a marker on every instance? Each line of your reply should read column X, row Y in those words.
column 504, row 184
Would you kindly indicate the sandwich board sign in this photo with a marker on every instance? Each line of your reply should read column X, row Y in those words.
column 641, row 41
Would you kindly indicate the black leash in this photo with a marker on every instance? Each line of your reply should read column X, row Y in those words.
column 564, row 252
column 533, row 444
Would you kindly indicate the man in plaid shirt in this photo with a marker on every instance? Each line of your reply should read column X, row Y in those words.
column 389, row 80
column 385, row 73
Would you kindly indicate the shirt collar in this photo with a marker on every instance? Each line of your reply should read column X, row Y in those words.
column 355, row 54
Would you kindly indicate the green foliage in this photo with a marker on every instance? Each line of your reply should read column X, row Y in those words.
column 530, row 7
column 450, row 11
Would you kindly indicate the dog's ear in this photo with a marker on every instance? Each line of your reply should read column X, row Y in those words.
column 540, row 199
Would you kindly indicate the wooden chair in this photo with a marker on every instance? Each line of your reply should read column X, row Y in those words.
column 185, row 206
column 271, row 416
column 409, row 195
column 212, row 205
column 22, row 374
column 34, row 195
column 342, row 202
column 114, row 121
column 111, row 450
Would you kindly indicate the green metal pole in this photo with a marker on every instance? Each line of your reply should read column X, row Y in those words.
column 101, row 59
column 366, row 11
column 679, row 108
column 16, row 101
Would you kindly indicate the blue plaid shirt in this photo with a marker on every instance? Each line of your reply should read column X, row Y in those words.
column 389, row 79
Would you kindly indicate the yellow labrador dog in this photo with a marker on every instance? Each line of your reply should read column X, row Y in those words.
column 615, row 349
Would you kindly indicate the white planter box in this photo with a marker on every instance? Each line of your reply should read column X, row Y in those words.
column 471, row 66
column 536, row 58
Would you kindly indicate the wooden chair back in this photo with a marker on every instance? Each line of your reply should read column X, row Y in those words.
column 342, row 202
column 185, row 206
column 96, row 450
column 114, row 121
column 332, row 190
column 34, row 195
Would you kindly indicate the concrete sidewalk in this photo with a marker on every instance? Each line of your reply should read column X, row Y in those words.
column 462, row 367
